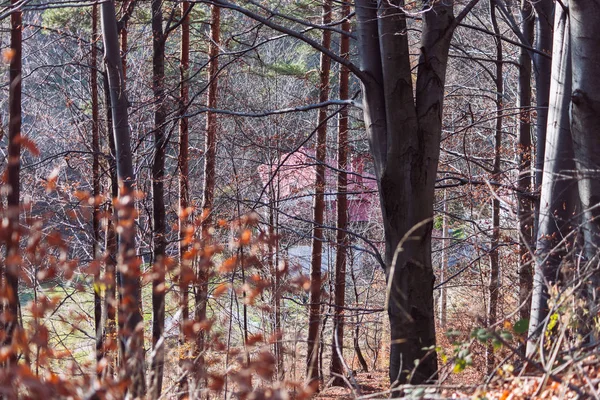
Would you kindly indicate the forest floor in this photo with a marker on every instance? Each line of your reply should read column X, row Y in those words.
column 374, row 385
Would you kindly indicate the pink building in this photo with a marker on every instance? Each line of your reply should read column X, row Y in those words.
column 292, row 178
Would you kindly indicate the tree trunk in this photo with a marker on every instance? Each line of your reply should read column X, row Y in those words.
column 210, row 153
column 494, row 287
column 444, row 269
column 525, row 209
column 158, row 201
column 128, row 264
column 185, row 265
column 11, row 277
column 544, row 11
column 557, row 202
column 110, row 273
column 404, row 134
column 585, row 114
column 337, row 351
column 96, row 183
column 314, row 318
column 357, row 350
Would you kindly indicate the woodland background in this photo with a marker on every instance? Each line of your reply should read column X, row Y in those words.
column 191, row 205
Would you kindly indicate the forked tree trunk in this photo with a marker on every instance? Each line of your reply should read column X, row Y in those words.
column 557, row 202
column 525, row 206
column 11, row 272
column 185, row 265
column 314, row 317
column 337, row 351
column 404, row 133
column 210, row 154
column 128, row 264
column 159, row 227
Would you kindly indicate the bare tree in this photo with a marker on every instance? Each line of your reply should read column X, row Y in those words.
column 128, row 265
column 314, row 318
column 337, row 352
column 11, row 271
column 557, row 202
column 404, row 132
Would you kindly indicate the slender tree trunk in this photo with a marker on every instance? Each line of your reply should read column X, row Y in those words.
column 337, row 351
column 110, row 273
column 276, row 273
column 11, row 310
column 96, row 182
column 128, row 264
column 357, row 350
column 444, row 269
column 185, row 265
column 495, row 242
column 158, row 200
column 544, row 11
column 557, row 202
column 314, row 318
column 210, row 153
column 525, row 209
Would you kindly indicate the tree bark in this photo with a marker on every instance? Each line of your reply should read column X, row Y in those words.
column 11, row 272
column 494, row 287
column 544, row 11
column 158, row 200
column 110, row 273
column 185, row 265
column 96, row 183
column 314, row 318
column 337, row 351
column 404, row 135
column 585, row 115
column 525, row 206
column 557, row 202
column 210, row 153
column 128, row 264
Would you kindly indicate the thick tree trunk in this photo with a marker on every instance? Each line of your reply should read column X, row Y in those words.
column 314, row 318
column 585, row 114
column 525, row 209
column 210, row 154
column 494, row 287
column 404, row 134
column 128, row 264
column 158, row 201
column 557, row 202
column 337, row 351
column 185, row 265
column 11, row 273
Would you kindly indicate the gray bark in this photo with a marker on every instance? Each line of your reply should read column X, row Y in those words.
column 557, row 202
column 544, row 11
column 404, row 134
column 585, row 114
column 525, row 208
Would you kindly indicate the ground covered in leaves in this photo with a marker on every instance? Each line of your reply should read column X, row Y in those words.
column 583, row 385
